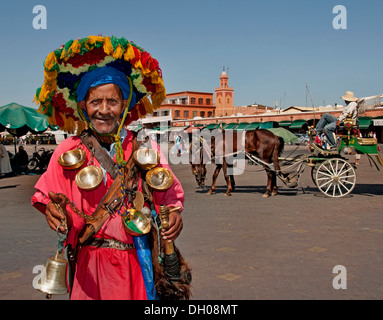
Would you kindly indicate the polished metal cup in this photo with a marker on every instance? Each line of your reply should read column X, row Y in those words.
column 159, row 178
column 72, row 159
column 136, row 223
column 89, row 178
column 146, row 158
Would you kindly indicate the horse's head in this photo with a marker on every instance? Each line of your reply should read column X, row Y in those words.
column 199, row 172
column 198, row 167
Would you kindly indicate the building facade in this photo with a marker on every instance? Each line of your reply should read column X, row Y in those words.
column 188, row 108
column 188, row 105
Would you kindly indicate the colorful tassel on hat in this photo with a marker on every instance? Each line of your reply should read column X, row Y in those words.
column 50, row 62
column 64, row 67
column 129, row 53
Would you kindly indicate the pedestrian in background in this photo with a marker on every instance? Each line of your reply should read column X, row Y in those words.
column 5, row 164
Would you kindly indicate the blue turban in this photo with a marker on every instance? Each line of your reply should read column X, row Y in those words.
column 104, row 75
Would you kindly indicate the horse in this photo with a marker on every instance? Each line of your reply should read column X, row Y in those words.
column 260, row 143
column 198, row 166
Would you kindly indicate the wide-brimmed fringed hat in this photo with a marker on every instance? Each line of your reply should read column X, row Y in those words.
column 349, row 96
column 65, row 67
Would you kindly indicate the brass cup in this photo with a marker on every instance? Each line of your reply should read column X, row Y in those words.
column 136, row 223
column 89, row 178
column 159, row 178
column 72, row 159
column 146, row 158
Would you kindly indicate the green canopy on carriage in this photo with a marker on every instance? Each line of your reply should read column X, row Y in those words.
column 286, row 135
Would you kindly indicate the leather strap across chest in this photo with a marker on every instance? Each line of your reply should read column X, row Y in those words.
column 113, row 198
column 99, row 153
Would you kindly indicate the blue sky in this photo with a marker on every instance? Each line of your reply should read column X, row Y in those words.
column 272, row 47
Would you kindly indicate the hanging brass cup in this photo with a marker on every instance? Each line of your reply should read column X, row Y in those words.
column 136, row 223
column 146, row 158
column 159, row 178
column 72, row 159
column 89, row 178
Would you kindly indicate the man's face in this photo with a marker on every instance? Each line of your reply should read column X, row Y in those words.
column 104, row 105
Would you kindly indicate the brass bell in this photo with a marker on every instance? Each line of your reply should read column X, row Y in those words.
column 159, row 178
column 55, row 276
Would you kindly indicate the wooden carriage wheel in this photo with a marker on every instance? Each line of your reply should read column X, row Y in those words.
column 335, row 178
column 314, row 170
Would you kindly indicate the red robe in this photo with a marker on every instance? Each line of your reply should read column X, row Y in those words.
column 101, row 273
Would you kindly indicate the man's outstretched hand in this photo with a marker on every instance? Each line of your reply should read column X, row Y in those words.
column 55, row 217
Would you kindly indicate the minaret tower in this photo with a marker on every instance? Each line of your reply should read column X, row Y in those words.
column 224, row 96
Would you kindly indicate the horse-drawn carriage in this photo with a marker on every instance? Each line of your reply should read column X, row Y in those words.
column 331, row 171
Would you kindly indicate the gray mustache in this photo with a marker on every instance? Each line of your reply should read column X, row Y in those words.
column 103, row 117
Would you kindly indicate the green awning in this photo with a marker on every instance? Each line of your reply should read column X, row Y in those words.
column 242, row 126
column 253, row 126
column 136, row 128
column 297, row 124
column 286, row 135
column 160, row 129
column 266, row 125
column 212, row 126
column 18, row 120
column 230, row 126
column 285, row 123
column 364, row 122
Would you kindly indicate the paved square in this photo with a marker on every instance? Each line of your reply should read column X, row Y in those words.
column 240, row 247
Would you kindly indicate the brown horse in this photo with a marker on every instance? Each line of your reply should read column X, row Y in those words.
column 261, row 143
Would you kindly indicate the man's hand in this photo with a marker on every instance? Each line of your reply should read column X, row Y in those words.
column 337, row 124
column 175, row 226
column 53, row 215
